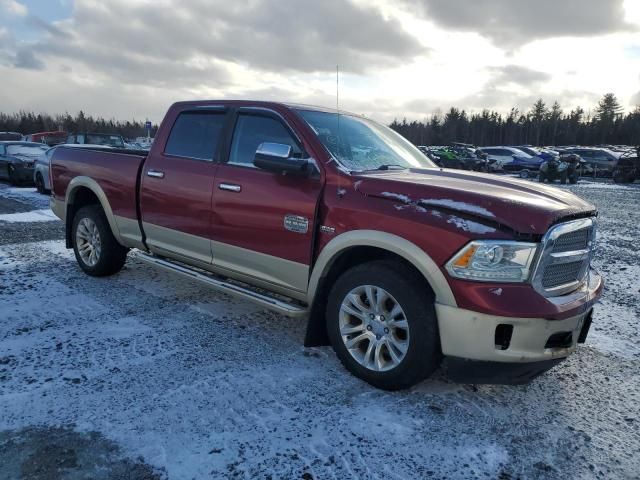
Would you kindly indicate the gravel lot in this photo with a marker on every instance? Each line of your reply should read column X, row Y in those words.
column 147, row 375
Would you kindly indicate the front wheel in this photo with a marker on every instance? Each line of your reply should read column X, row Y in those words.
column 97, row 251
column 382, row 325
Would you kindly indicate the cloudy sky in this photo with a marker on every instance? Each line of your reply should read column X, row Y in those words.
column 398, row 58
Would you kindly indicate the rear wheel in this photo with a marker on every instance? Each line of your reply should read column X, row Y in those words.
column 13, row 177
column 97, row 251
column 40, row 183
column 382, row 325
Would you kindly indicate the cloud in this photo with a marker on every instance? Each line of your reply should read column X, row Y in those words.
column 24, row 58
column 512, row 23
column 12, row 7
column 270, row 35
column 517, row 74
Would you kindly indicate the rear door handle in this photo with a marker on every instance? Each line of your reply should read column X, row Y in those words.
column 230, row 187
column 155, row 174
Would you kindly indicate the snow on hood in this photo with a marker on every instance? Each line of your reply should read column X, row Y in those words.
column 521, row 205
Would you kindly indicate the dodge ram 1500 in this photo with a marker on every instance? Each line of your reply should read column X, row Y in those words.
column 329, row 216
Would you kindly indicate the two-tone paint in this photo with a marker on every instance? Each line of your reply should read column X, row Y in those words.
column 230, row 219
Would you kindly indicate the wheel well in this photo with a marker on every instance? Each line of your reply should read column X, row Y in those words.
column 80, row 197
column 316, row 334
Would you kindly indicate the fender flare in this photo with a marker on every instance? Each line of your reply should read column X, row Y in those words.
column 386, row 241
column 91, row 184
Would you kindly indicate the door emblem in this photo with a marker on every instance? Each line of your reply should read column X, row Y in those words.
column 296, row 223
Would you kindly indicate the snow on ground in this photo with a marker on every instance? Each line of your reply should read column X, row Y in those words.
column 45, row 215
column 195, row 384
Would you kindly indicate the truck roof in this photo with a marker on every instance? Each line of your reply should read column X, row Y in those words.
column 260, row 103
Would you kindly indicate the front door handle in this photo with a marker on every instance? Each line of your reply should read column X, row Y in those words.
column 230, row 187
column 155, row 174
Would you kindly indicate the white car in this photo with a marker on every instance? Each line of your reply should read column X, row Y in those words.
column 41, row 165
column 504, row 155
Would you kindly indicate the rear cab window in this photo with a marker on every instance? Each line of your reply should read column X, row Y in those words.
column 196, row 135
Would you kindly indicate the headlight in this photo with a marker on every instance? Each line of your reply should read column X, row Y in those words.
column 493, row 261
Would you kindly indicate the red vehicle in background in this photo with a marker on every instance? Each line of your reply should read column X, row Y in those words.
column 49, row 138
column 330, row 216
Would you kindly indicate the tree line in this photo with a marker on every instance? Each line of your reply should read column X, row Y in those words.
column 29, row 122
column 541, row 125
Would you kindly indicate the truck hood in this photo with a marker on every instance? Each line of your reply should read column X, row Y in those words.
column 523, row 206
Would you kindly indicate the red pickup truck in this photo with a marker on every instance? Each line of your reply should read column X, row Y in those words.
column 329, row 216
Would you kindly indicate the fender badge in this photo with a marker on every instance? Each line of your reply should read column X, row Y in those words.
column 296, row 223
column 325, row 229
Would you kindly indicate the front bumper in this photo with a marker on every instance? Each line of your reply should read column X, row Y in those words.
column 481, row 348
column 478, row 336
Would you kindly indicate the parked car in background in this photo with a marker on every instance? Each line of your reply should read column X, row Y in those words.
column 544, row 153
column 48, row 138
column 503, row 155
column 17, row 160
column 338, row 219
column 603, row 160
column 627, row 169
column 108, row 139
column 41, row 177
column 10, row 136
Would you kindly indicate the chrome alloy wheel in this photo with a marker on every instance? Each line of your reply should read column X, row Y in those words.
column 374, row 328
column 88, row 242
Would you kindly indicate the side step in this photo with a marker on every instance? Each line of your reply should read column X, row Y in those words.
column 277, row 305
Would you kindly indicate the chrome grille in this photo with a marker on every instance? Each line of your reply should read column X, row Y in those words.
column 561, row 274
column 578, row 240
column 564, row 261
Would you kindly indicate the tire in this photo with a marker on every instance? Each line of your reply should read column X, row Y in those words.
column 40, row 184
column 525, row 173
column 109, row 255
column 420, row 338
column 12, row 175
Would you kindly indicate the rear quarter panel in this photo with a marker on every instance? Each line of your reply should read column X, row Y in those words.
column 116, row 173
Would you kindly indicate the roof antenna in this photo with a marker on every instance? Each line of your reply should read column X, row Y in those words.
column 338, row 105
column 341, row 191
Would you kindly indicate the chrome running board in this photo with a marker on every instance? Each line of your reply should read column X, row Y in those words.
column 277, row 305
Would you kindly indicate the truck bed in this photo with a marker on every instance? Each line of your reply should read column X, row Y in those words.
column 116, row 171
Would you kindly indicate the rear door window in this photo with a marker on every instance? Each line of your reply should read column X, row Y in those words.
column 196, row 135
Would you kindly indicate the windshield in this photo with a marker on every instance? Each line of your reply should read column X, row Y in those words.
column 28, row 150
column 110, row 140
column 361, row 144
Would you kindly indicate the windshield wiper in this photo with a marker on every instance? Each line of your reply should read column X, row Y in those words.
column 390, row 166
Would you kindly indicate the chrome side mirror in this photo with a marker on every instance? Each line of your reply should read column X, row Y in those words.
column 276, row 157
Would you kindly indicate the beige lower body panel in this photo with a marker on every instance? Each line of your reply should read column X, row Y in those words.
column 163, row 240
column 265, row 271
column 130, row 235
column 267, row 268
column 471, row 335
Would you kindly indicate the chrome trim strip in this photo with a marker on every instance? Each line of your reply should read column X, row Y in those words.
column 289, row 309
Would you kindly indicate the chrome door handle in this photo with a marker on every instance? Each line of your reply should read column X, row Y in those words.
column 155, row 174
column 231, row 187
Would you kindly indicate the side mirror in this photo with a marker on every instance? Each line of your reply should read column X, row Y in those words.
column 276, row 157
